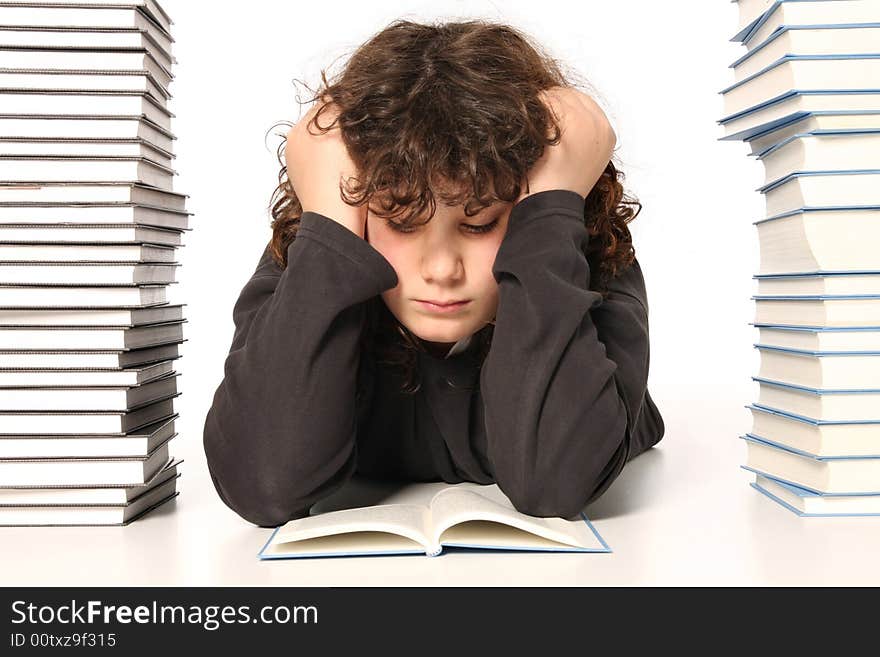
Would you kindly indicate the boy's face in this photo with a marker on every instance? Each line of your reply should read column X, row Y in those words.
column 446, row 259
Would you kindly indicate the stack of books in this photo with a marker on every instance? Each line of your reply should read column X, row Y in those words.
column 806, row 101
column 89, row 225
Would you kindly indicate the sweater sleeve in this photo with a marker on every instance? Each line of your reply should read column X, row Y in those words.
column 280, row 433
column 559, row 405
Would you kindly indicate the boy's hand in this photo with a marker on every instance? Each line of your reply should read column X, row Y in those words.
column 584, row 149
column 316, row 163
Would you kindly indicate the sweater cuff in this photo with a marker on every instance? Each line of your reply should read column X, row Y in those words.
column 346, row 243
column 556, row 201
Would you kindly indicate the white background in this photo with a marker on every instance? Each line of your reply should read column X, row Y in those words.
column 680, row 514
column 657, row 74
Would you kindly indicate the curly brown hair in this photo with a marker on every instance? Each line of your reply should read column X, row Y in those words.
column 421, row 105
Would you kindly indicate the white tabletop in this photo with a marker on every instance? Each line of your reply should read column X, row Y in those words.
column 681, row 514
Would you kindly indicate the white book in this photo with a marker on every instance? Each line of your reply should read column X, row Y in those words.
column 78, row 423
column 816, row 123
column 85, row 234
column 135, row 444
column 81, row 169
column 81, row 297
column 123, row 14
column 847, row 476
column 27, row 80
column 91, row 193
column 821, row 153
column 808, row 40
column 821, row 438
column 93, row 213
column 804, row 368
column 149, row 8
column 850, row 405
column 776, row 112
column 810, row 504
column 78, row 103
column 83, row 378
column 91, row 317
column 816, row 311
column 858, row 340
column 427, row 518
column 820, row 240
column 88, row 399
column 749, row 13
column 85, row 60
column 86, row 495
column 97, row 360
column 69, row 38
column 89, row 516
column 97, row 338
column 800, row 73
column 827, row 190
column 829, row 12
column 82, row 253
column 91, row 147
column 83, row 472
column 81, row 274
column 87, row 128
column 812, row 284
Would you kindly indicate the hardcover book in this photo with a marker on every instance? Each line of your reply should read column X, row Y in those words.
column 427, row 518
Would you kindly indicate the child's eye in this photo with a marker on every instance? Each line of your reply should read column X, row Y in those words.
column 485, row 228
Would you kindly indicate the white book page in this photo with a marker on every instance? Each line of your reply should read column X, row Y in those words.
column 372, row 528
column 467, row 502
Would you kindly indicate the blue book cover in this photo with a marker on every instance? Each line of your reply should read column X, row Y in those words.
column 834, row 506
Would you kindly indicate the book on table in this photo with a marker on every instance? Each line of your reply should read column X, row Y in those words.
column 87, row 274
column 85, row 495
column 820, row 240
column 838, row 284
column 813, row 13
column 138, row 443
column 129, row 254
column 810, row 40
column 91, row 515
column 34, row 378
column 855, row 340
column 840, row 405
column 42, row 146
column 84, row 422
column 87, row 234
column 374, row 518
column 815, row 123
column 132, row 296
column 838, row 312
column 63, row 472
column 98, row 360
column 93, row 213
column 121, row 398
column 62, row 192
column 86, row 127
column 821, row 438
column 819, row 369
column 839, row 475
column 808, row 503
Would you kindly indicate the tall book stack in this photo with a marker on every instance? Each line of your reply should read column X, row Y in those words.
column 806, row 100
column 89, row 223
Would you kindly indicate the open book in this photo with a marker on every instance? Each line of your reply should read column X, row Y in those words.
column 424, row 518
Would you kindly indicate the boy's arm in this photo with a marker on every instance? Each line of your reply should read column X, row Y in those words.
column 280, row 433
column 560, row 407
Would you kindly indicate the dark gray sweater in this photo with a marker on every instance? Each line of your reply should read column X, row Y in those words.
column 552, row 414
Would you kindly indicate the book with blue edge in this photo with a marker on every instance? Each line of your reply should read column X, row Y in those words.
column 810, row 504
column 838, row 475
column 376, row 518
